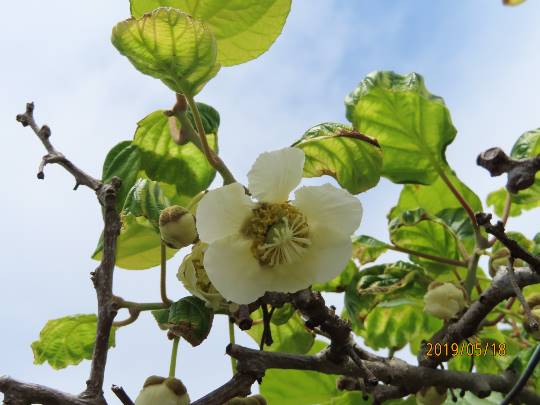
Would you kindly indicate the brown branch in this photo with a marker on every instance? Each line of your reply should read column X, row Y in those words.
column 53, row 156
column 17, row 392
column 516, row 251
column 500, row 290
column 122, row 395
column 521, row 172
column 409, row 379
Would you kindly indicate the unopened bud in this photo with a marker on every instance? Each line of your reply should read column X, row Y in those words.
column 430, row 396
column 177, row 227
column 163, row 391
column 444, row 300
column 535, row 315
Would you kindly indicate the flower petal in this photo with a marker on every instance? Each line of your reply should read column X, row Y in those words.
column 222, row 212
column 233, row 270
column 329, row 206
column 325, row 259
column 275, row 174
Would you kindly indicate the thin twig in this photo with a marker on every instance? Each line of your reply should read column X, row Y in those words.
column 122, row 395
column 533, row 362
column 444, row 260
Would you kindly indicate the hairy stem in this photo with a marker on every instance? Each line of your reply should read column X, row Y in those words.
column 470, row 280
column 174, row 355
column 443, row 260
column 232, row 341
column 211, row 156
column 163, row 275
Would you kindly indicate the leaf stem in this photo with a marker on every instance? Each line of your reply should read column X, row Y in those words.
column 211, row 156
column 141, row 306
column 232, row 341
column 444, row 260
column 163, row 275
column 470, row 280
column 174, row 354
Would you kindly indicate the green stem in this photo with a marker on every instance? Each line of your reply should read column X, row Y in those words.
column 163, row 275
column 143, row 306
column 174, row 354
column 211, row 156
column 470, row 280
column 443, row 260
column 232, row 342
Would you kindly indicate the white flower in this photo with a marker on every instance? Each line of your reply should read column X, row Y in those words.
column 275, row 244
column 444, row 300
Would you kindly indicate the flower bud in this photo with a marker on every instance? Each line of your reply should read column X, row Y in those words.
column 444, row 300
column 163, row 391
column 430, row 396
column 193, row 275
column 253, row 400
column 177, row 227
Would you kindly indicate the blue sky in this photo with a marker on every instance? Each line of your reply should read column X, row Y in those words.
column 480, row 56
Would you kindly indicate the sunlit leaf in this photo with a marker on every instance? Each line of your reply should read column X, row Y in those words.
column 412, row 125
column 67, row 341
column 244, row 29
column 145, row 199
column 367, row 249
column 336, row 150
column 169, row 45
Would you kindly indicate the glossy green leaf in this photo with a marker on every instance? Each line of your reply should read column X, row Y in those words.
column 290, row 337
column 67, row 341
column 190, row 319
column 418, row 231
column 412, row 126
column 401, row 281
column 123, row 161
column 244, row 29
column 162, row 317
column 182, row 170
column 527, row 145
column 145, row 199
column 435, row 197
column 397, row 326
column 336, row 150
column 139, row 245
column 341, row 282
column 169, row 45
column 367, row 249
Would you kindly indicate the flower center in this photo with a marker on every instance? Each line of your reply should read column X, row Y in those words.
column 279, row 232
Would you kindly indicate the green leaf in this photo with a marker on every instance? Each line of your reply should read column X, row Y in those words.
column 290, row 337
column 182, row 170
column 336, row 150
column 367, row 249
column 123, row 161
column 145, row 199
column 162, row 317
column 394, row 327
column 67, row 341
column 298, row 387
column 139, row 245
column 190, row 319
column 341, row 282
column 527, row 145
column 412, row 126
column 283, row 314
column 435, row 198
column 169, row 45
column 470, row 399
column 418, row 231
column 401, row 281
column 244, row 29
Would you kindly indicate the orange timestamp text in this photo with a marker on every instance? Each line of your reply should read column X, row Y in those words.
column 465, row 349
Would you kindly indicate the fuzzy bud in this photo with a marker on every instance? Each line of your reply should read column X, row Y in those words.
column 163, row 391
column 535, row 333
column 430, row 396
column 177, row 227
column 253, row 400
column 444, row 300
column 193, row 275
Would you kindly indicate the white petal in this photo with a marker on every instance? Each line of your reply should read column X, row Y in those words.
column 324, row 260
column 233, row 270
column 275, row 174
column 222, row 212
column 329, row 206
